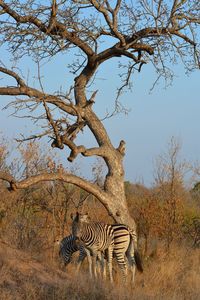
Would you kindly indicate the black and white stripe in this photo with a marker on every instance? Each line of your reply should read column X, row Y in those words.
column 68, row 246
column 122, row 240
column 96, row 238
column 125, row 247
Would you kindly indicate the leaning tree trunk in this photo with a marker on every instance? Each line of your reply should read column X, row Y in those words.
column 113, row 196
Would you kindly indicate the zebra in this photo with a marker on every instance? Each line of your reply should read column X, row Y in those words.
column 96, row 237
column 68, row 245
column 123, row 239
column 125, row 248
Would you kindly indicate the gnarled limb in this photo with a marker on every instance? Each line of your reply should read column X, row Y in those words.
column 62, row 176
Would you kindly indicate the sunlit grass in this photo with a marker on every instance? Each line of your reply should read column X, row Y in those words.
column 173, row 276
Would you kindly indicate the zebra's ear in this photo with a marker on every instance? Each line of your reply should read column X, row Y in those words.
column 75, row 217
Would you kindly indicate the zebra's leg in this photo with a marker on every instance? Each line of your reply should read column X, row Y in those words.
column 104, row 263
column 79, row 263
column 133, row 272
column 110, row 257
column 130, row 254
column 66, row 259
column 131, row 265
column 99, row 263
column 94, row 263
column 82, row 255
column 122, row 264
column 89, row 261
column 101, row 260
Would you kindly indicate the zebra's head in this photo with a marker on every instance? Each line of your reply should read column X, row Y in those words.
column 57, row 241
column 84, row 218
column 78, row 222
column 80, row 217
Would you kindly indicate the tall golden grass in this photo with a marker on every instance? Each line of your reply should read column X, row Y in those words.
column 172, row 276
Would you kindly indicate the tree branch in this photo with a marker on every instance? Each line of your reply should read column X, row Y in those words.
column 54, row 126
column 33, row 137
column 34, row 94
column 54, row 28
column 14, row 75
column 111, row 23
column 65, row 177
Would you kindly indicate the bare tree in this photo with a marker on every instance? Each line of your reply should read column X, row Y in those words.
column 169, row 178
column 158, row 32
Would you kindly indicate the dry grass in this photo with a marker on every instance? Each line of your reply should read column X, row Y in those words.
column 176, row 276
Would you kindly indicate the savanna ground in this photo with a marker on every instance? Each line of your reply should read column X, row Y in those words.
column 167, row 217
column 176, row 276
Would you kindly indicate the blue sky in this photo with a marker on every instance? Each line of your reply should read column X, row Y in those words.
column 153, row 118
column 156, row 117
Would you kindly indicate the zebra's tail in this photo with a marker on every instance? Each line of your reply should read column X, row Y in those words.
column 138, row 260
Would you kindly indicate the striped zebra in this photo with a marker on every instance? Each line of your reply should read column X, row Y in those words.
column 125, row 248
column 68, row 246
column 96, row 237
